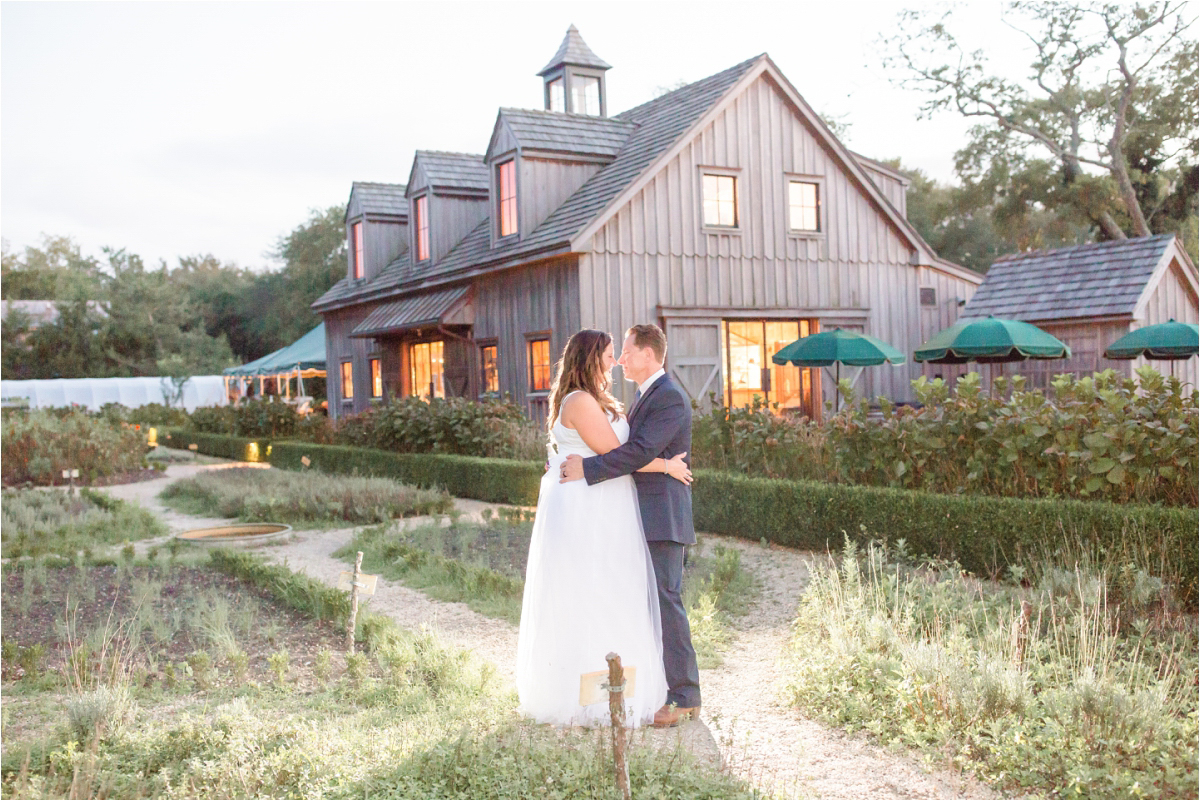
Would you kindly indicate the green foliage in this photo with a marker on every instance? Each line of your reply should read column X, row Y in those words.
column 252, row 418
column 100, row 713
column 257, row 495
column 493, row 480
column 37, row 522
column 1050, row 687
column 241, row 449
column 307, row 595
column 39, row 444
column 150, row 414
column 753, row 440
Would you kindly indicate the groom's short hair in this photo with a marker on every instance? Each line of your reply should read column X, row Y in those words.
column 649, row 336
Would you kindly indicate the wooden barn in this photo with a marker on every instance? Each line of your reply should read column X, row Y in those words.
column 726, row 211
column 1089, row 296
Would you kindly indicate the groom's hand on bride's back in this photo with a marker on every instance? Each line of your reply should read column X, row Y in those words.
column 571, row 470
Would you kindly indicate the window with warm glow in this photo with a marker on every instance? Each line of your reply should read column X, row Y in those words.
column 539, row 365
column 720, row 200
column 422, row 213
column 359, row 271
column 506, row 181
column 489, row 362
column 557, row 96
column 347, row 381
column 426, row 365
column 803, row 206
column 376, row 379
column 585, row 95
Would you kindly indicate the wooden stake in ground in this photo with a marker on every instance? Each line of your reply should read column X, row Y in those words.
column 354, row 585
column 616, row 707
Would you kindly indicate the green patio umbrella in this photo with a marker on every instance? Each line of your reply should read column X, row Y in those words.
column 837, row 347
column 1162, row 342
column 989, row 341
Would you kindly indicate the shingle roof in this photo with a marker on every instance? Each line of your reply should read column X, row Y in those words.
column 346, row 292
column 380, row 198
column 453, row 170
column 574, row 51
column 567, row 133
column 1095, row 280
column 411, row 312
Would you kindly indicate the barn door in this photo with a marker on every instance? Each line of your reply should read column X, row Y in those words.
column 694, row 357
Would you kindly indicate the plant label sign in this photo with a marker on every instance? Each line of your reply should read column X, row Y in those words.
column 73, row 473
column 593, row 687
column 366, row 584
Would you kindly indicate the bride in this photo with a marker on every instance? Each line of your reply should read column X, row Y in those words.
column 589, row 582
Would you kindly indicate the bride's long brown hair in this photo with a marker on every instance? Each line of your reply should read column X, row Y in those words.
column 582, row 367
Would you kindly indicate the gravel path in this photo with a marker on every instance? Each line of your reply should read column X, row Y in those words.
column 745, row 723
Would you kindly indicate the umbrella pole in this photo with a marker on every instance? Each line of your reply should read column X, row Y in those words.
column 837, row 386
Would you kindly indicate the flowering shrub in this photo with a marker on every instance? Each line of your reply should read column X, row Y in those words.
column 38, row 445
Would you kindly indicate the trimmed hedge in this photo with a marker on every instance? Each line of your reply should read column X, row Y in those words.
column 985, row 534
column 242, row 449
column 492, row 480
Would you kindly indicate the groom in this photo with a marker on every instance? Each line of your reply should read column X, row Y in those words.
column 660, row 426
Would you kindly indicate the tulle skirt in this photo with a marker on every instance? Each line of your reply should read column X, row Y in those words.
column 589, row 591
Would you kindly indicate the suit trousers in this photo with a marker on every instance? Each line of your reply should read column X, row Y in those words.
column 679, row 657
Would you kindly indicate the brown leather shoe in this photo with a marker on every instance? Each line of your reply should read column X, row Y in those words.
column 670, row 715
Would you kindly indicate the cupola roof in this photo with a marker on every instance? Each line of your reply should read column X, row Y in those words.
column 574, row 51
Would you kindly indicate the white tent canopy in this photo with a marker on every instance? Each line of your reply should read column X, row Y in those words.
column 92, row 393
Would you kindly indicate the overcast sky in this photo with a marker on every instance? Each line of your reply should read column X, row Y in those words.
column 177, row 129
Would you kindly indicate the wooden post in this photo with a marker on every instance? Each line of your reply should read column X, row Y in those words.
column 353, row 604
column 616, row 707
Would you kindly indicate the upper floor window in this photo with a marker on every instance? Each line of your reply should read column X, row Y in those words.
column 506, row 181
column 376, row 379
column 720, row 200
column 489, row 362
column 422, row 213
column 804, row 207
column 585, row 95
column 347, row 380
column 356, row 231
column 556, row 98
column 539, row 365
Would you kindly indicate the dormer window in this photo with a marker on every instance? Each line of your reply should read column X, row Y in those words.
column 421, row 210
column 356, row 233
column 585, row 95
column 556, row 95
column 506, row 183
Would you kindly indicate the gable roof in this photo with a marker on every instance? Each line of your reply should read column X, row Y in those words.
column 574, row 51
column 445, row 170
column 374, row 198
column 1096, row 280
column 554, row 131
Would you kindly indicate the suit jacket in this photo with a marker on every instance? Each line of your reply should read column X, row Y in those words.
column 660, row 425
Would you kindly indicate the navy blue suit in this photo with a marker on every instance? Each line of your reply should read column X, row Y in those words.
column 660, row 425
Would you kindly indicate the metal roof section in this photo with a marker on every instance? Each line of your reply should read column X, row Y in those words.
column 382, row 199
column 557, row 132
column 445, row 170
column 411, row 312
column 574, row 51
column 1097, row 280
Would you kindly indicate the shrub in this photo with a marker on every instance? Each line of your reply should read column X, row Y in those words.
column 38, row 445
column 252, row 418
column 241, row 449
column 755, row 441
column 35, row 522
column 100, row 713
column 154, row 414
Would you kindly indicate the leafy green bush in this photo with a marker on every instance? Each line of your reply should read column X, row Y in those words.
column 241, row 449
column 755, row 441
column 1050, row 690
column 153, row 414
column 35, row 522
column 252, row 418
column 258, row 495
column 38, row 445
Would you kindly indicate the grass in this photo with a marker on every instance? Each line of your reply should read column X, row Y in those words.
column 1061, row 682
column 300, row 499
column 406, row 717
column 35, row 522
column 483, row 566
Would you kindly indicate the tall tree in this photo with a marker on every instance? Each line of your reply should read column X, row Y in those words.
column 1102, row 131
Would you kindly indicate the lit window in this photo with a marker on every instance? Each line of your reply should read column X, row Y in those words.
column 557, row 98
column 720, row 200
column 376, row 379
column 803, row 206
column 585, row 95
column 539, row 365
column 422, row 228
column 347, row 381
column 506, row 179
column 425, row 361
column 489, row 362
column 358, row 249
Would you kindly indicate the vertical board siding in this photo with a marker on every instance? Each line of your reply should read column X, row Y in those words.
column 1173, row 299
column 655, row 252
column 451, row 218
column 543, row 185
column 338, row 348
column 382, row 243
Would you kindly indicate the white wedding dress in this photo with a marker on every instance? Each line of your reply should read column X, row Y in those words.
column 589, row 590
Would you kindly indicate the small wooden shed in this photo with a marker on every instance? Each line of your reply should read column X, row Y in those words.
column 1091, row 295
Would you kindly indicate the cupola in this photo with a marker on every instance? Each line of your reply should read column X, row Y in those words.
column 574, row 78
